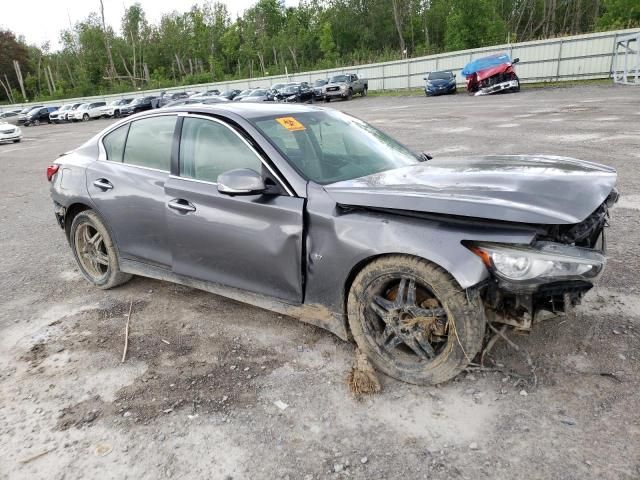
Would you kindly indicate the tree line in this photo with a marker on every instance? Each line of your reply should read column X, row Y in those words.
column 204, row 44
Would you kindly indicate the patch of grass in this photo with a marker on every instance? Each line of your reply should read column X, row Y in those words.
column 402, row 92
column 568, row 83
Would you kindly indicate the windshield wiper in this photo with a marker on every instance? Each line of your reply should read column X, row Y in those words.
column 425, row 157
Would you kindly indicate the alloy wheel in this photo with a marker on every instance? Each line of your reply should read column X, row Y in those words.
column 91, row 250
column 406, row 321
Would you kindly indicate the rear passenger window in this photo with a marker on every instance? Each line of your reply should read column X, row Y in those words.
column 149, row 142
column 114, row 143
column 208, row 149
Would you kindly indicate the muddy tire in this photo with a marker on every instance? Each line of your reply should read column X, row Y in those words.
column 95, row 252
column 413, row 320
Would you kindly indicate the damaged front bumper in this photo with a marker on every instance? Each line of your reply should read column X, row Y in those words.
column 562, row 275
column 498, row 87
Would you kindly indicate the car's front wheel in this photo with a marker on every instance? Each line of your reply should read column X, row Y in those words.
column 95, row 252
column 85, row 117
column 413, row 321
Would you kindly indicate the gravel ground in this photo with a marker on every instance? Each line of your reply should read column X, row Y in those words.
column 198, row 395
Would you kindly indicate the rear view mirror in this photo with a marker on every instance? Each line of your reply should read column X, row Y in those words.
column 515, row 60
column 241, row 181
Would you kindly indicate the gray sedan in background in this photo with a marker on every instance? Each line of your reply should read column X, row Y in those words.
column 315, row 214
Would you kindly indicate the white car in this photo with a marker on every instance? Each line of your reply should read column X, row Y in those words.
column 10, row 133
column 114, row 108
column 87, row 111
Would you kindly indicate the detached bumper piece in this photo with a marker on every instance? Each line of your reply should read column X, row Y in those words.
column 498, row 87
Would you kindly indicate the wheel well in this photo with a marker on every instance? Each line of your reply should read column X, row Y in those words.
column 354, row 272
column 71, row 213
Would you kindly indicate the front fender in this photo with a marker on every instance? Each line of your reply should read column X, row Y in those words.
column 338, row 242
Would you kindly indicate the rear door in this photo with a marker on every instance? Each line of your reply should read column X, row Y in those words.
column 252, row 242
column 127, row 187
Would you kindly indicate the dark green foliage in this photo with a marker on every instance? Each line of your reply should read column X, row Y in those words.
column 204, row 44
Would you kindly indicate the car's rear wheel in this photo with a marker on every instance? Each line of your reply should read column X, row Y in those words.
column 413, row 321
column 364, row 92
column 95, row 252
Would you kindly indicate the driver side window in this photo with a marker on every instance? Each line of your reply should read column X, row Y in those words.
column 208, row 148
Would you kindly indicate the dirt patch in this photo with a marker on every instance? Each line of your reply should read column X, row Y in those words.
column 182, row 373
column 81, row 414
column 231, row 380
column 36, row 354
column 111, row 308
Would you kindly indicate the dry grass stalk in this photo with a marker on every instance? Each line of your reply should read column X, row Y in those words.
column 362, row 379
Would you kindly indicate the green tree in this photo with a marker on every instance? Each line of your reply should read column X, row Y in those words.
column 620, row 14
column 472, row 24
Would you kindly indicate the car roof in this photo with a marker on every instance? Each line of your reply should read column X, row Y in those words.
column 246, row 110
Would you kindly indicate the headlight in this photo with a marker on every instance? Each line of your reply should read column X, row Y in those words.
column 542, row 261
column 343, row 87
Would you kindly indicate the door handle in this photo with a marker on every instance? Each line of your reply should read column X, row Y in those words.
column 103, row 184
column 181, row 205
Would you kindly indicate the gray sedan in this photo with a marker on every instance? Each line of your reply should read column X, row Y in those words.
column 315, row 214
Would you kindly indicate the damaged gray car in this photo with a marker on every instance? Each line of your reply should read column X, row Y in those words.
column 318, row 215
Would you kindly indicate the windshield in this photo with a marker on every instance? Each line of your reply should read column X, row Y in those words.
column 440, row 76
column 291, row 89
column 84, row 106
column 244, row 92
column 339, row 79
column 319, row 83
column 65, row 107
column 258, row 93
column 330, row 146
column 277, row 86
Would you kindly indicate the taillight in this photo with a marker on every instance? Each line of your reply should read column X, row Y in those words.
column 51, row 171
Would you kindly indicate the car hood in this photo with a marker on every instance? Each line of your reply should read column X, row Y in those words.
column 439, row 82
column 337, row 84
column 517, row 188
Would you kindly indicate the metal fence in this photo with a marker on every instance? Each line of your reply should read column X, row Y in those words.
column 589, row 56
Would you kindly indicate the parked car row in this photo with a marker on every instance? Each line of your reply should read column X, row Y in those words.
column 342, row 86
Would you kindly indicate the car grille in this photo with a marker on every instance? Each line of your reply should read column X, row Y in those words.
column 333, row 89
column 7, row 130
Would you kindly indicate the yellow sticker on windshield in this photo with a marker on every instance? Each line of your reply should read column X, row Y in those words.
column 290, row 124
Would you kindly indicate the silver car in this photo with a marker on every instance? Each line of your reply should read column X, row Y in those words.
column 318, row 215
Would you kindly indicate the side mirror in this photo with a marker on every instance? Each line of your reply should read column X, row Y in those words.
column 241, row 181
column 515, row 60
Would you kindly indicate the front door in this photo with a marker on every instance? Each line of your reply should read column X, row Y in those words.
column 251, row 242
column 127, row 187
